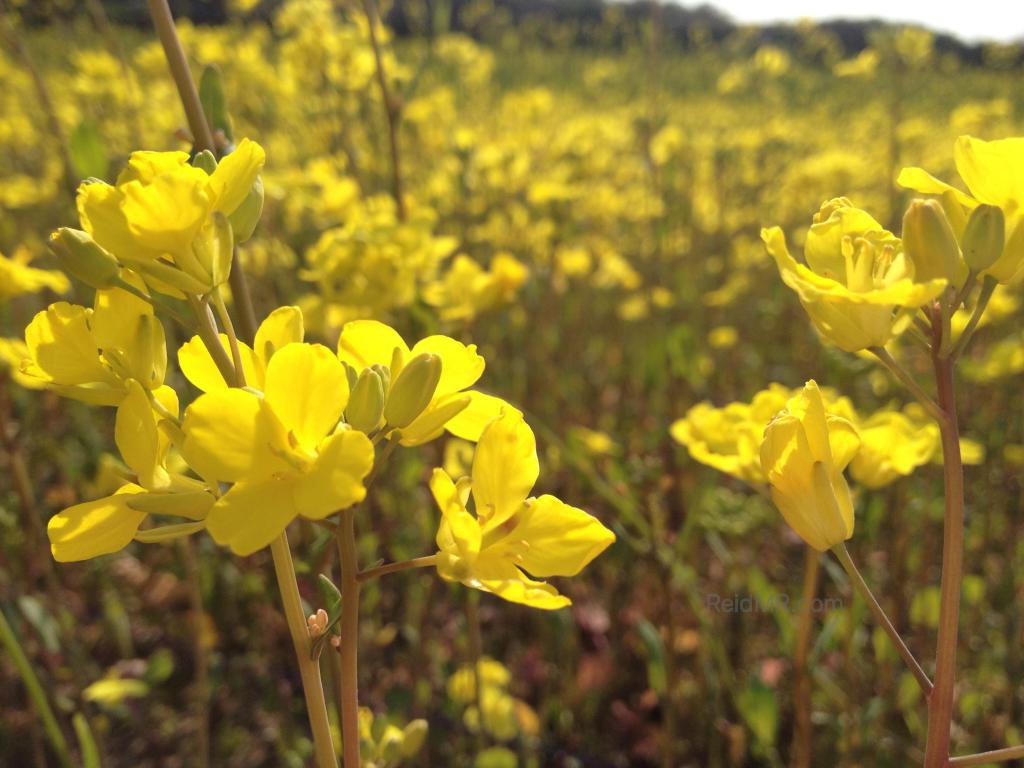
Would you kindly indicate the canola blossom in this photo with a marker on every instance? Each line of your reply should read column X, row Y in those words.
column 511, row 535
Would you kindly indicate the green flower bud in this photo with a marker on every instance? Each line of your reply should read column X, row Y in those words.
column 431, row 424
column 385, row 376
column 929, row 241
column 412, row 390
column 366, row 402
column 214, row 248
column 415, row 734
column 247, row 215
column 84, row 258
column 206, row 161
column 984, row 237
column 351, row 376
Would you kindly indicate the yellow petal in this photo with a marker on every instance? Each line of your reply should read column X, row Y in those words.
column 144, row 166
column 229, row 437
column 138, row 439
column 460, row 532
column 365, row 342
column 560, row 540
column 461, row 366
column 197, row 365
column 95, row 528
column 509, row 583
column 251, row 515
column 470, row 422
column 235, row 174
column 283, row 326
column 99, row 210
column 920, row 180
column 992, row 170
column 335, row 481
column 307, row 389
column 166, row 213
column 505, row 468
column 63, row 348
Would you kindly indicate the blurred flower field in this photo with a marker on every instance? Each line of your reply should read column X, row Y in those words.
column 590, row 218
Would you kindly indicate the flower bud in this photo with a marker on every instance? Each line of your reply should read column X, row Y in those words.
column 214, row 248
column 929, row 241
column 366, row 402
column 984, row 237
column 247, row 215
column 412, row 390
column 206, row 161
column 430, row 424
column 84, row 258
column 385, row 376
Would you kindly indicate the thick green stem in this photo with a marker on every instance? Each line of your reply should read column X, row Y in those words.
column 843, row 555
column 940, row 705
column 36, row 694
column 349, row 639
column 309, row 669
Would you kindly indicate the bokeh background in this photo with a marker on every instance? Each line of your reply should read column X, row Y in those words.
column 585, row 186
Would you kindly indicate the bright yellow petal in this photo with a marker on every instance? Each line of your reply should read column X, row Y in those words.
column 95, row 528
column 283, row 326
column 506, row 581
column 560, row 540
column 505, row 468
column 138, row 439
column 307, row 389
column 99, row 210
column 992, row 170
column 461, row 366
column 166, row 213
column 469, row 423
column 365, row 342
column 460, row 533
column 61, row 344
column 235, row 174
column 197, row 365
column 251, row 515
column 335, row 481
column 229, row 436
column 144, row 165
column 921, row 181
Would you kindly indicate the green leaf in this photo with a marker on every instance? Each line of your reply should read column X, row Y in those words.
column 88, row 154
column 331, row 596
column 759, row 706
column 86, row 743
column 211, row 94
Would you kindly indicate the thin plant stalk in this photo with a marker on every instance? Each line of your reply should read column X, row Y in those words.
column 801, row 652
column 9, row 641
column 843, row 555
column 405, row 565
column 349, row 650
column 199, row 652
column 940, row 704
column 985, row 758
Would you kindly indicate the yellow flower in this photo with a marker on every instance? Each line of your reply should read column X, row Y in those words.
column 283, row 449
column 892, row 445
column 994, row 174
column 511, row 535
column 155, row 213
column 857, row 283
column 455, row 407
column 18, row 278
column 107, row 525
column 92, row 354
column 283, row 326
column 803, row 455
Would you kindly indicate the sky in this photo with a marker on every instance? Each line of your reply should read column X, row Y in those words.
column 974, row 21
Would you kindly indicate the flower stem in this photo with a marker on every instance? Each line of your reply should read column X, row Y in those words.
column 309, row 669
column 405, row 565
column 802, row 680
column 229, row 329
column 940, row 705
column 211, row 340
column 843, row 555
column 984, row 758
column 349, row 639
column 988, row 287
column 907, row 380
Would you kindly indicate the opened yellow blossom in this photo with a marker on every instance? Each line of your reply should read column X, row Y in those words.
column 151, row 219
column 92, row 354
column 857, row 285
column 511, row 535
column 107, row 525
column 804, row 453
column 453, row 406
column 993, row 172
column 283, row 449
column 18, row 278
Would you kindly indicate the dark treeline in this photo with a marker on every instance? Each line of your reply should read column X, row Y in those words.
column 580, row 22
